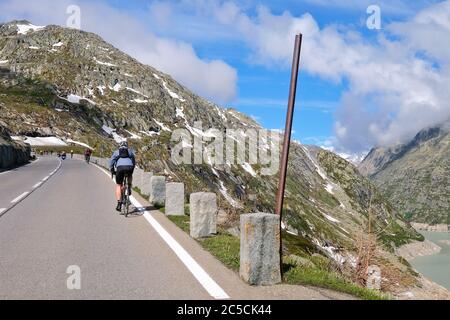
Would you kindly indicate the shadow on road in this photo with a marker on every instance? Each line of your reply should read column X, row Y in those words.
column 138, row 212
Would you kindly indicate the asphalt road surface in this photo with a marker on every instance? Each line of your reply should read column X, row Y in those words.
column 60, row 238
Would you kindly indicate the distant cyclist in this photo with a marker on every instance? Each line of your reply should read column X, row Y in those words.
column 122, row 163
column 87, row 155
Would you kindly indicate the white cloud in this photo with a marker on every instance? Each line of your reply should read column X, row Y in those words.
column 393, row 90
column 214, row 79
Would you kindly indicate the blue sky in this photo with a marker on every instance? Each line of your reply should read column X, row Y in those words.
column 357, row 87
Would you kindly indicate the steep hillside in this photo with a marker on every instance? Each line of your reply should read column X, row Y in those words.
column 71, row 84
column 415, row 176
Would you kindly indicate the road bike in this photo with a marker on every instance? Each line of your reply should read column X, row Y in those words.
column 125, row 195
column 125, row 198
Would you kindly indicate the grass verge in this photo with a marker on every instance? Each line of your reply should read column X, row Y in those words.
column 317, row 277
column 225, row 248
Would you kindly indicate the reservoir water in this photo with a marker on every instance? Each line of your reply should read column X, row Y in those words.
column 436, row 267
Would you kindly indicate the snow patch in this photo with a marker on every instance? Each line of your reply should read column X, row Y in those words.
column 101, row 89
column 330, row 218
column 44, row 141
column 59, row 44
column 33, row 48
column 247, row 167
column 25, row 28
column 318, row 169
column 116, row 87
column 180, row 113
column 104, row 63
column 332, row 252
column 73, row 98
column 133, row 135
column 79, row 143
column 329, row 187
column 113, row 133
column 139, row 101
column 224, row 191
column 150, row 133
column 162, row 125
column 173, row 94
column 4, row 61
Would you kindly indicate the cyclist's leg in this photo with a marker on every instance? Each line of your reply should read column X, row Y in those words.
column 119, row 181
column 130, row 181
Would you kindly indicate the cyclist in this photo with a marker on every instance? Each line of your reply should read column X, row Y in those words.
column 122, row 163
column 87, row 155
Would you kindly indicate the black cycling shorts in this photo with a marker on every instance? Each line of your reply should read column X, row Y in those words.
column 122, row 171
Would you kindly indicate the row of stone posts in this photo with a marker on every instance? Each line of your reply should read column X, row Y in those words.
column 259, row 232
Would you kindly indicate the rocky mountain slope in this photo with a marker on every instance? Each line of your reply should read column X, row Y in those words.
column 73, row 85
column 415, row 176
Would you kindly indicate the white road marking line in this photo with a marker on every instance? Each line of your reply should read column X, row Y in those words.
column 37, row 185
column 23, row 195
column 20, row 197
column 197, row 271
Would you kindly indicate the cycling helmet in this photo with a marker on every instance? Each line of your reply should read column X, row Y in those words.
column 123, row 144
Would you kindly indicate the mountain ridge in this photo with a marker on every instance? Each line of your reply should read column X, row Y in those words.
column 414, row 175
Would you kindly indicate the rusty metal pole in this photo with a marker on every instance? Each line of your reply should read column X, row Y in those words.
column 288, row 132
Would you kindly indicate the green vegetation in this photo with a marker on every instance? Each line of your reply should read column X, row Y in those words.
column 318, row 277
column 398, row 235
column 225, row 248
column 181, row 221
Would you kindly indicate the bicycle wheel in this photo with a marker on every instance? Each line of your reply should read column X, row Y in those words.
column 127, row 205
column 127, row 198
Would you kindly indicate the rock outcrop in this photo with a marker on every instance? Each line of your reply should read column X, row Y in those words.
column 12, row 153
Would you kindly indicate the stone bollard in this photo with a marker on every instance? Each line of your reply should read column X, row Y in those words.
column 174, row 199
column 203, row 214
column 157, row 190
column 373, row 278
column 260, row 249
column 146, row 184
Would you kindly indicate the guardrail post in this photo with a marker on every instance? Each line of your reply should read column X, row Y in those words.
column 174, row 199
column 260, row 249
column 157, row 190
column 203, row 214
column 146, row 185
